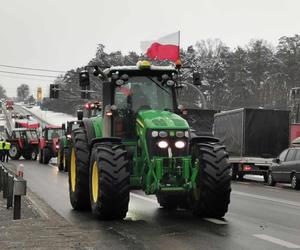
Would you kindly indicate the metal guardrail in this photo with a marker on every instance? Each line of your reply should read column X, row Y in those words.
column 13, row 188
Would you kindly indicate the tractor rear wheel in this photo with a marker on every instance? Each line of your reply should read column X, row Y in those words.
column 15, row 152
column 211, row 195
column 79, row 171
column 109, row 181
column 66, row 160
column 40, row 156
column 60, row 159
column 46, row 156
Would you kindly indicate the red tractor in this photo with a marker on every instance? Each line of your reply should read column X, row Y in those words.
column 49, row 142
column 24, row 142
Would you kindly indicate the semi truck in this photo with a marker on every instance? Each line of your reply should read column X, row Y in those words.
column 253, row 138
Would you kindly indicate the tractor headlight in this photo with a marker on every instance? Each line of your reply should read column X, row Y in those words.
column 180, row 144
column 57, row 146
column 163, row 134
column 163, row 144
column 154, row 133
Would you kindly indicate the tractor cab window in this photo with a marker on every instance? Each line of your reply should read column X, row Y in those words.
column 31, row 135
column 54, row 133
column 137, row 94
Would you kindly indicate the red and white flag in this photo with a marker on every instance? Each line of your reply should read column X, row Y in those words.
column 164, row 48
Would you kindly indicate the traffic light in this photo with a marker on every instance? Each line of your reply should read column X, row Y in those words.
column 54, row 91
column 84, row 78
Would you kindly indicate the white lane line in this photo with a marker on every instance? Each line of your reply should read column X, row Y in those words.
column 144, row 198
column 261, row 197
column 216, row 221
column 277, row 241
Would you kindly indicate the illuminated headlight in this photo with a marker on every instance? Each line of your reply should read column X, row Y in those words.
column 154, row 133
column 179, row 134
column 57, row 146
column 69, row 136
column 163, row 144
column 180, row 144
column 163, row 134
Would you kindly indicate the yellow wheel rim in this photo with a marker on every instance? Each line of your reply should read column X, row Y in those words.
column 73, row 170
column 65, row 160
column 95, row 182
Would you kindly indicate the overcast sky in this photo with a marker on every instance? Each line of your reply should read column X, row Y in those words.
column 63, row 34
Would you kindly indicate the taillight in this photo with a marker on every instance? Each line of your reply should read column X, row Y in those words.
column 247, row 167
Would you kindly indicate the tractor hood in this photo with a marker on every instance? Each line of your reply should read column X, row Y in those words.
column 157, row 119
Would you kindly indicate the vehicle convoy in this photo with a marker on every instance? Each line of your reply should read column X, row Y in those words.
column 286, row 168
column 92, row 109
column 64, row 155
column 253, row 137
column 140, row 142
column 49, row 143
column 24, row 142
column 9, row 104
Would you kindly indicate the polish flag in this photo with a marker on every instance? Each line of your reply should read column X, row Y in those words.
column 164, row 48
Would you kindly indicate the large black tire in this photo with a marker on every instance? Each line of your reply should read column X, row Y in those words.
column 14, row 152
column 211, row 196
column 60, row 155
column 79, row 171
column 110, row 170
column 34, row 154
column 67, row 159
column 40, row 156
column 46, row 155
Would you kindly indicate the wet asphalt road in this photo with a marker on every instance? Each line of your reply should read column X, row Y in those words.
column 259, row 217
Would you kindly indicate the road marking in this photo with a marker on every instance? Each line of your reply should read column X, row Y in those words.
column 38, row 208
column 144, row 198
column 260, row 197
column 276, row 241
column 216, row 221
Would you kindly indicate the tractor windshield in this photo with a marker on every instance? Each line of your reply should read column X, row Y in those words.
column 31, row 135
column 144, row 92
column 54, row 133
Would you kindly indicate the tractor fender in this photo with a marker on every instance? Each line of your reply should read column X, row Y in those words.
column 201, row 139
column 90, row 131
column 42, row 142
column 116, row 140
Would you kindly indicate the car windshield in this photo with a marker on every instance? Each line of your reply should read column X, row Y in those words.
column 141, row 92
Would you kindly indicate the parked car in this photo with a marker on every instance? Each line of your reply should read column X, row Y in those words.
column 286, row 168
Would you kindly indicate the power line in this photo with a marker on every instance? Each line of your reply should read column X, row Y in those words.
column 25, row 74
column 37, row 69
column 25, row 78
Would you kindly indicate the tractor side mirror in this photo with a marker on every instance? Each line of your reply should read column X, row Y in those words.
column 80, row 115
column 197, row 78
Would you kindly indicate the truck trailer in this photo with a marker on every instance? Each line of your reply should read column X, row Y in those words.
column 253, row 137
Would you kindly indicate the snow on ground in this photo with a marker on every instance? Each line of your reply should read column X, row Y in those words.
column 51, row 117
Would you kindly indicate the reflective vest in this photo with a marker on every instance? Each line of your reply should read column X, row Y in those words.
column 7, row 146
column 1, row 145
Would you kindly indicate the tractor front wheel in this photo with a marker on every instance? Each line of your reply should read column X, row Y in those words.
column 79, row 171
column 40, row 156
column 66, row 160
column 46, row 156
column 109, row 181
column 60, row 159
column 211, row 195
column 15, row 152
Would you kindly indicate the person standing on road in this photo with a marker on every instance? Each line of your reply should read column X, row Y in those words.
column 1, row 149
column 6, row 151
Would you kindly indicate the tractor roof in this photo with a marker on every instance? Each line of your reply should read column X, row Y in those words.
column 24, row 129
column 53, row 127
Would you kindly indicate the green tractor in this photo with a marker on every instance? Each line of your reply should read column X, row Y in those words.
column 141, row 141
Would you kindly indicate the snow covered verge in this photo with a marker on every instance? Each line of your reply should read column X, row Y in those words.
column 50, row 117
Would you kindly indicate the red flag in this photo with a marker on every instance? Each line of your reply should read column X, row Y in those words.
column 164, row 48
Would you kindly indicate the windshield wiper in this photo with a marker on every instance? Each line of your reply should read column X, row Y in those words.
column 157, row 84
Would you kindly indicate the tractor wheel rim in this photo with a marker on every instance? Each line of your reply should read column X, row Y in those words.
column 33, row 155
column 64, row 160
column 73, row 170
column 95, row 182
column 13, row 151
column 294, row 181
column 269, row 178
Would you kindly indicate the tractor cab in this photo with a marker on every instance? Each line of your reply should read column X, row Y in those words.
column 24, row 142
